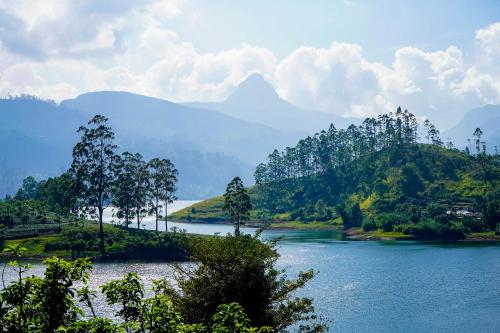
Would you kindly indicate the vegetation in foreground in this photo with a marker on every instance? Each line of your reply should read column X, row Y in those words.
column 232, row 286
column 377, row 179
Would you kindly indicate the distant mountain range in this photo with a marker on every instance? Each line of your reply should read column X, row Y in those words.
column 209, row 142
column 255, row 100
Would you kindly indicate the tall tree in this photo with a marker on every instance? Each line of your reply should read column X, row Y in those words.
column 124, row 191
column 93, row 167
column 169, row 186
column 477, row 138
column 140, row 190
column 163, row 177
column 237, row 203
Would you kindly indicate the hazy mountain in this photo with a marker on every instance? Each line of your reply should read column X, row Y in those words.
column 181, row 125
column 255, row 100
column 208, row 148
column 487, row 118
column 36, row 139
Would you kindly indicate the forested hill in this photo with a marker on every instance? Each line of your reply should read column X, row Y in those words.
column 378, row 176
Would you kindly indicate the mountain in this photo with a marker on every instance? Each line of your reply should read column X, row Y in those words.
column 255, row 100
column 37, row 138
column 208, row 147
column 176, row 124
column 487, row 118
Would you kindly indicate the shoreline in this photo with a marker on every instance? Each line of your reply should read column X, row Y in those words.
column 352, row 233
column 377, row 235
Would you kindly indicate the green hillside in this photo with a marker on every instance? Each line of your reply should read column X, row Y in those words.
column 376, row 179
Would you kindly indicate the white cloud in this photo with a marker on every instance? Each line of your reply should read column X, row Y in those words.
column 332, row 80
column 59, row 48
column 341, row 80
column 489, row 39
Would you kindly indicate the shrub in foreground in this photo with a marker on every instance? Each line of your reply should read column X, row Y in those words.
column 242, row 269
column 49, row 304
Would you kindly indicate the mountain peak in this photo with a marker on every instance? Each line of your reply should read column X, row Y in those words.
column 254, row 86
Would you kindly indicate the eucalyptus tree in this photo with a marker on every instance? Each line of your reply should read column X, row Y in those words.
column 169, row 186
column 129, row 189
column 94, row 168
column 477, row 138
column 237, row 203
column 163, row 179
column 140, row 190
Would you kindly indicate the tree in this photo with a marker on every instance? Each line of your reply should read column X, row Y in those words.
column 477, row 136
column 59, row 193
column 28, row 189
column 51, row 303
column 140, row 190
column 93, row 167
column 242, row 269
column 163, row 177
column 237, row 203
column 129, row 193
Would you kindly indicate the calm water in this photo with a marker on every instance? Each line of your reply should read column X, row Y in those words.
column 375, row 286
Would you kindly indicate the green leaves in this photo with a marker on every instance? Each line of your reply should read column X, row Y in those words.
column 240, row 269
column 93, row 167
column 163, row 177
column 128, row 293
column 237, row 205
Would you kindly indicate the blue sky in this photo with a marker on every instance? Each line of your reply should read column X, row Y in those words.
column 381, row 27
column 351, row 57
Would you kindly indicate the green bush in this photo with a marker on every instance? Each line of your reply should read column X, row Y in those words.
column 369, row 225
column 241, row 269
column 388, row 221
column 430, row 229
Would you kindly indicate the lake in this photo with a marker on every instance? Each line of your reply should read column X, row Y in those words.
column 372, row 286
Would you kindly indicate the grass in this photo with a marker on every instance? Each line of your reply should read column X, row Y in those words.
column 36, row 247
column 209, row 210
column 486, row 235
column 381, row 234
column 317, row 225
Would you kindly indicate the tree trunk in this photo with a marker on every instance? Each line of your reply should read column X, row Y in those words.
column 138, row 220
column 156, row 213
column 237, row 229
column 101, row 233
column 166, row 225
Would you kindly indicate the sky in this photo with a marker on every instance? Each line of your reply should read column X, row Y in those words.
column 357, row 58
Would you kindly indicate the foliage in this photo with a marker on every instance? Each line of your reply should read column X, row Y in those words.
column 380, row 165
column 52, row 304
column 93, row 167
column 130, row 190
column 79, row 241
column 237, row 203
column 241, row 269
column 163, row 177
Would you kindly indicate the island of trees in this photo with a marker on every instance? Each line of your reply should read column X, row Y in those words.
column 376, row 179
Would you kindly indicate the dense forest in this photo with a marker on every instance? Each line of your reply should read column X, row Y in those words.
column 379, row 176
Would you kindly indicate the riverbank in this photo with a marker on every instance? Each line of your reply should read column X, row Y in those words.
column 360, row 234
column 286, row 225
